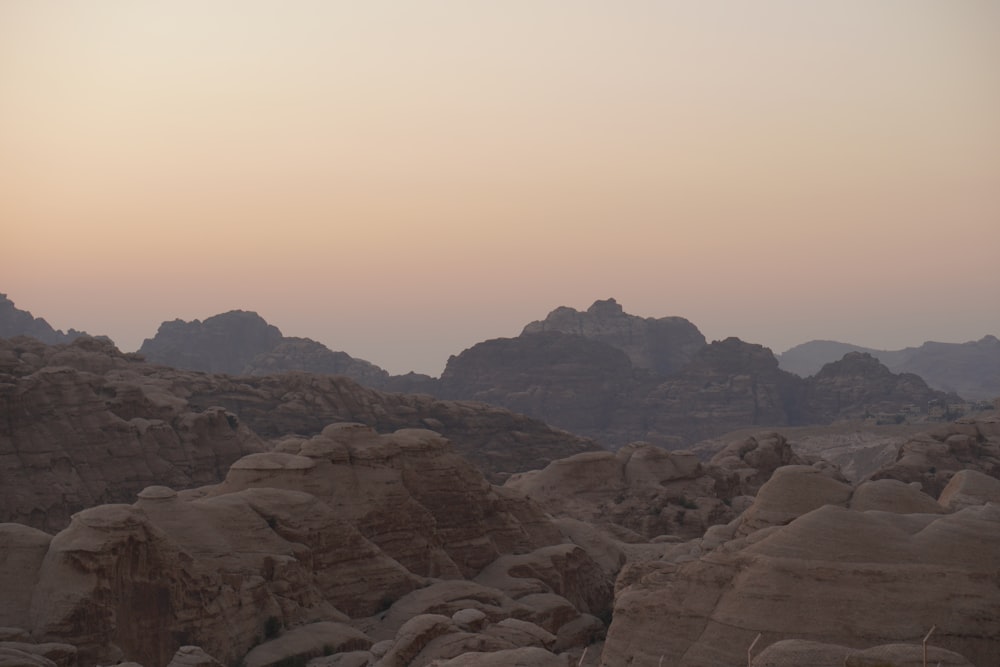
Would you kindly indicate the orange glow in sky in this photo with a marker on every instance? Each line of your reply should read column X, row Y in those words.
column 401, row 180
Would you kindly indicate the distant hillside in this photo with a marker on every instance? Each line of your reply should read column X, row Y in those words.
column 578, row 371
column 243, row 343
column 971, row 370
column 16, row 322
column 664, row 345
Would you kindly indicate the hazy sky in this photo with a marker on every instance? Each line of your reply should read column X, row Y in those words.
column 401, row 180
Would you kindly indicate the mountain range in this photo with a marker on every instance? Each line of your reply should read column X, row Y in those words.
column 600, row 373
column 971, row 370
column 157, row 516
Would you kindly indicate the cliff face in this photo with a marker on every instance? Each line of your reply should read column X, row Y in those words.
column 345, row 525
column 591, row 388
column 663, row 345
column 859, row 385
column 86, row 425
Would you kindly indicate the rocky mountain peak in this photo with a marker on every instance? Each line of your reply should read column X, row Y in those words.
column 606, row 308
column 663, row 345
column 223, row 343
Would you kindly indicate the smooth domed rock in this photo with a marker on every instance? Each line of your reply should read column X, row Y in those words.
column 968, row 488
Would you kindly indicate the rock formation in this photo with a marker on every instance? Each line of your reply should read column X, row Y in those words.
column 663, row 345
column 83, row 428
column 591, row 388
column 88, row 425
column 931, row 459
column 303, row 354
column 813, row 559
column 379, row 547
column 860, row 386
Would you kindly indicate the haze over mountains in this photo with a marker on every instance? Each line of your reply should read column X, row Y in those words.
column 970, row 369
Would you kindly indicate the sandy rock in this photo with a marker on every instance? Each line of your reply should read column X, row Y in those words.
column 521, row 633
column 193, row 656
column 833, row 575
column 815, row 654
column 413, row 636
column 22, row 550
column 791, row 492
column 890, row 495
column 968, row 488
column 471, row 620
column 47, row 653
column 519, row 657
column 307, row 641
column 563, row 569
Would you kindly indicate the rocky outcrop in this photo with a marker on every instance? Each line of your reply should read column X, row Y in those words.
column 88, row 425
column 303, row 354
column 803, row 564
column 970, row 369
column 663, row 345
column 347, row 543
column 931, row 459
column 83, row 428
column 859, row 386
column 16, row 322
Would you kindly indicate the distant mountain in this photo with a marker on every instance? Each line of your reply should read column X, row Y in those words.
column 16, row 322
column 971, row 370
column 243, row 343
column 589, row 384
column 664, row 345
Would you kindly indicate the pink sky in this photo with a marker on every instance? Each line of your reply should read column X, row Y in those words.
column 401, row 180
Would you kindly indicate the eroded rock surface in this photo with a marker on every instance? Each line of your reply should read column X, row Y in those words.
column 348, row 542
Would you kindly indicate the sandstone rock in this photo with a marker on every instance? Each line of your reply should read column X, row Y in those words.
column 890, row 495
column 642, row 488
column 816, row 654
column 47, row 653
column 519, row 657
column 968, row 488
column 307, row 641
column 832, row 575
column 193, row 656
column 413, row 636
column 791, row 492
column 22, row 550
column 932, row 458
column 564, row 569
column 75, row 439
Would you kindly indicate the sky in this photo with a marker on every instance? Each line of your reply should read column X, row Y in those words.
column 401, row 180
